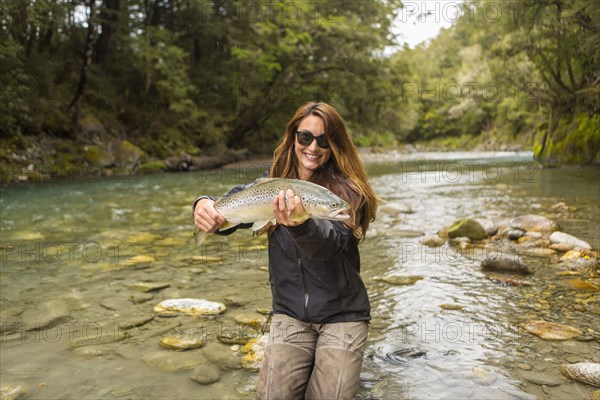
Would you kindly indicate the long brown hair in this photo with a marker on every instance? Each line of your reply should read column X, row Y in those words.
column 344, row 173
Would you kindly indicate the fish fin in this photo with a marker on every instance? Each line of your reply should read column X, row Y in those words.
column 199, row 236
column 261, row 181
column 299, row 215
column 265, row 228
column 228, row 225
column 258, row 225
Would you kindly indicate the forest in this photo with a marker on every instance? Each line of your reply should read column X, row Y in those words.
column 107, row 82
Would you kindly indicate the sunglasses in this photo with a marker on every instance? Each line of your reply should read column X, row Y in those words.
column 305, row 138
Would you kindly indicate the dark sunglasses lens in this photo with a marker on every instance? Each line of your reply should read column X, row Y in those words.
column 305, row 138
column 322, row 142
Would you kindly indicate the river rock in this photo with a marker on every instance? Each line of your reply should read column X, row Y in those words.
column 46, row 315
column 395, row 208
column 508, row 281
column 251, row 320
column 595, row 395
column 406, row 233
column 149, row 286
column 206, row 374
column 93, row 351
column 514, row 234
column 583, row 285
column 562, row 247
column 180, row 343
column 570, row 255
column 141, row 298
column 454, row 307
column 433, row 241
column 126, row 153
column 583, row 372
column 239, row 336
column 188, row 307
column 98, row 157
column 535, row 223
column 96, row 336
column 12, row 392
column 538, row 378
column 399, row 280
column 254, row 353
column 488, row 225
column 172, row 361
column 551, row 330
column 506, row 264
column 561, row 237
column 467, row 227
column 537, row 252
column 222, row 356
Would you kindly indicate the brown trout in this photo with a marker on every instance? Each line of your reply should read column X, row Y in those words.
column 254, row 204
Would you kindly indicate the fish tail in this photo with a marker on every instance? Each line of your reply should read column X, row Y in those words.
column 199, row 236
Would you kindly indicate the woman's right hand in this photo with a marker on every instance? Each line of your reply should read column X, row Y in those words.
column 206, row 218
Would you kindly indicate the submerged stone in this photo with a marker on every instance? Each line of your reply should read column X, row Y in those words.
column 535, row 223
column 97, row 337
column 395, row 208
column 506, row 264
column 514, row 234
column 172, row 361
column 46, row 315
column 180, row 343
column 12, row 392
column 188, row 307
column 254, row 353
column 539, row 378
column 468, row 228
column 433, row 241
column 399, row 280
column 583, row 372
column 551, row 331
column 451, row 307
column 149, row 286
column 222, row 356
column 583, row 285
column 561, row 237
column 508, row 281
column 251, row 320
column 206, row 374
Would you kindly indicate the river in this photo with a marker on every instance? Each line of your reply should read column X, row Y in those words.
column 78, row 255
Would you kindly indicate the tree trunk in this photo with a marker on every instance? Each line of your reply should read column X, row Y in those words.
column 87, row 57
column 110, row 20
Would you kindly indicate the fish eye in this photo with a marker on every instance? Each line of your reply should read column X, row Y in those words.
column 333, row 205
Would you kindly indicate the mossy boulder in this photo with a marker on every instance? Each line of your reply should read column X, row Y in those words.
column 127, row 153
column 90, row 127
column 573, row 140
column 467, row 228
column 153, row 167
column 97, row 156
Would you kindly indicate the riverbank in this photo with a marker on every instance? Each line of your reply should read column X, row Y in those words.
column 48, row 158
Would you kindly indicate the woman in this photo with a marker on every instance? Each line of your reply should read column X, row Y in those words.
column 320, row 304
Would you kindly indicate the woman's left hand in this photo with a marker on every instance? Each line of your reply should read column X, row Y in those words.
column 289, row 212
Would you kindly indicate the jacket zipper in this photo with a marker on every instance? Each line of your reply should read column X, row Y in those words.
column 304, row 286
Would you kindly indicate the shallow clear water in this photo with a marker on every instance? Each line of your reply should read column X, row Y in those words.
column 75, row 250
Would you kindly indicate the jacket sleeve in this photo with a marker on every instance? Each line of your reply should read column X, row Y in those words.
column 232, row 191
column 321, row 239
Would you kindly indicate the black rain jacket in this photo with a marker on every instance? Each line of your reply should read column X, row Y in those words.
column 314, row 271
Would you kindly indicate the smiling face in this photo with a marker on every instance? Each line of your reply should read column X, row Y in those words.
column 311, row 157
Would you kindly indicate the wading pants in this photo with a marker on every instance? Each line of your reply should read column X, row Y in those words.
column 312, row 361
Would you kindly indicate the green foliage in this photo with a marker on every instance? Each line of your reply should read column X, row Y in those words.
column 200, row 76
column 13, row 107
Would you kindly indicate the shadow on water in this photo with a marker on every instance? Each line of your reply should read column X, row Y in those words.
column 91, row 259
